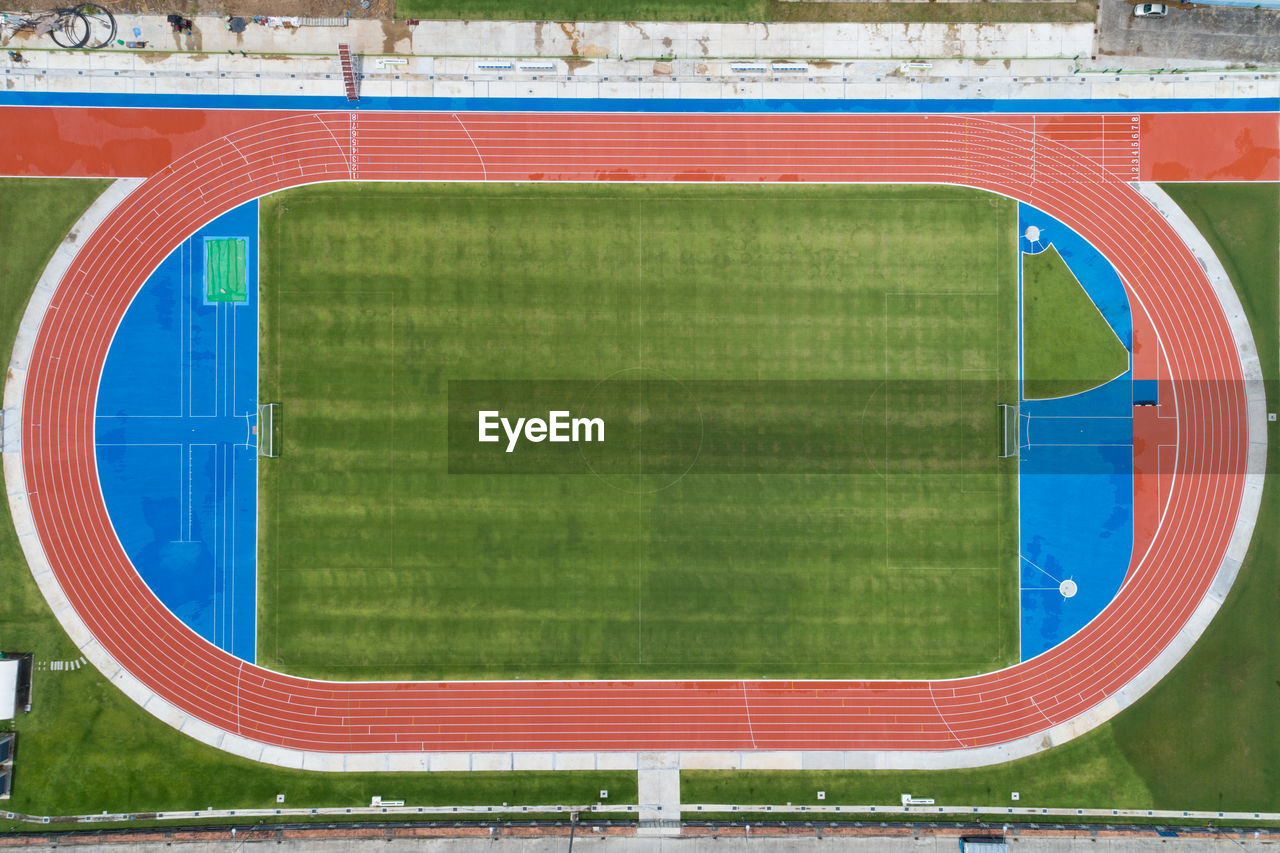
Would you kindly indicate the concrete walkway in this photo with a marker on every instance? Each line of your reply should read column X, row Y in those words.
column 672, row 811
column 618, row 39
column 658, row 791
column 462, row 77
column 523, row 59
column 720, row 840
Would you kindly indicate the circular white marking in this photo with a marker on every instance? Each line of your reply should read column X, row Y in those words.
column 1033, row 233
column 1067, row 588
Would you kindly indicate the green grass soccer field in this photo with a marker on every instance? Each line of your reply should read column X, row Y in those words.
column 848, row 517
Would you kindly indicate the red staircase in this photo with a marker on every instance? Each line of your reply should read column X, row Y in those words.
column 348, row 72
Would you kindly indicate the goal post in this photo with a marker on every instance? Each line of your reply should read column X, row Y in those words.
column 267, row 445
column 1008, row 430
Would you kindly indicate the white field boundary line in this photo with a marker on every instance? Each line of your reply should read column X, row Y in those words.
column 689, row 811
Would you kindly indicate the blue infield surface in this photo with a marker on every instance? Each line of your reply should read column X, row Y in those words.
column 176, row 450
column 1075, row 469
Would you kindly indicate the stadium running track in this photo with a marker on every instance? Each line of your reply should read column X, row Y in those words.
column 1001, row 154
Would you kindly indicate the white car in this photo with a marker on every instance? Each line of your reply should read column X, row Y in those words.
column 1150, row 10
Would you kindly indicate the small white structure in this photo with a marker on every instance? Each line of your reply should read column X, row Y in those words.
column 9, row 688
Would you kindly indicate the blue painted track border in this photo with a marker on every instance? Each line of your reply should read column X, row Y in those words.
column 642, row 105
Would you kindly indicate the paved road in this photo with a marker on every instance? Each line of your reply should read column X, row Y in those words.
column 1215, row 33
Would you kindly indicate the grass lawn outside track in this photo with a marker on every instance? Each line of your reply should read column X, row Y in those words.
column 771, row 11
column 843, row 349
column 1205, row 737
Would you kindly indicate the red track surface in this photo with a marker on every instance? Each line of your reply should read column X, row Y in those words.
column 131, row 142
column 1002, row 155
column 1191, row 147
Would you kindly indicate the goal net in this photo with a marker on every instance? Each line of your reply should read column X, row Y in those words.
column 1008, row 430
column 267, row 429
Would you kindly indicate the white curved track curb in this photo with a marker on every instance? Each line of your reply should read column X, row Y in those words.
column 14, row 477
column 625, row 761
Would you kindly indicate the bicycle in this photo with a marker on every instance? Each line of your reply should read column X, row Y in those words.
column 87, row 25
